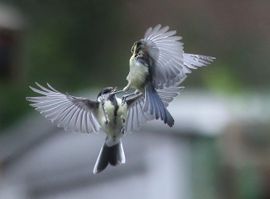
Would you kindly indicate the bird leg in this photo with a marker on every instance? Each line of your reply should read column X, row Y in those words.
column 126, row 87
column 133, row 95
column 116, row 92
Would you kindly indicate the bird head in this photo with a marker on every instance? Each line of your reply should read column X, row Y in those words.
column 144, row 49
column 136, row 47
column 106, row 92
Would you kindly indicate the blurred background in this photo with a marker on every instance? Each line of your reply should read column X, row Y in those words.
column 219, row 147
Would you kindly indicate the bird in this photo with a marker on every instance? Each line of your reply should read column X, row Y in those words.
column 106, row 113
column 157, row 61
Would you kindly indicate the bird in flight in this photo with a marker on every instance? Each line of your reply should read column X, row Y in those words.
column 157, row 67
column 106, row 113
column 157, row 61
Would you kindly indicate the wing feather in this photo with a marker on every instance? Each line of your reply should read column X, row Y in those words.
column 167, row 51
column 69, row 112
column 136, row 116
column 170, row 61
column 193, row 61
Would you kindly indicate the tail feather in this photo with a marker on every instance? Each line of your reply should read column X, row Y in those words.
column 155, row 106
column 113, row 155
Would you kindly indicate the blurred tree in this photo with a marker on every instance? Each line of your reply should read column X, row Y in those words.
column 67, row 40
column 71, row 44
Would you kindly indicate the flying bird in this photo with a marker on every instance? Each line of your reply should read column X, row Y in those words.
column 157, row 61
column 107, row 113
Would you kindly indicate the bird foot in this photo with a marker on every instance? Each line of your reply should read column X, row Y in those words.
column 124, row 98
column 131, row 96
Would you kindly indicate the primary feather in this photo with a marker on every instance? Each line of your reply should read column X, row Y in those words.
column 137, row 115
column 69, row 112
column 170, row 61
column 166, row 50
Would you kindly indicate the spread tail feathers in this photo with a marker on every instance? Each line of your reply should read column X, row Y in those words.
column 154, row 106
column 113, row 155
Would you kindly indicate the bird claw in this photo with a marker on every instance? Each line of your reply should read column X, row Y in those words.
column 124, row 99
column 130, row 96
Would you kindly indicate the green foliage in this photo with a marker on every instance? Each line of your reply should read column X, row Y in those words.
column 221, row 79
column 205, row 164
column 69, row 44
column 249, row 184
column 13, row 104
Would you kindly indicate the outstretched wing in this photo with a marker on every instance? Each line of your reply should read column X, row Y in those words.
column 170, row 61
column 192, row 61
column 167, row 94
column 136, row 116
column 71, row 113
column 167, row 52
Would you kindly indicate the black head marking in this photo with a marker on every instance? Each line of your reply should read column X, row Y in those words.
column 106, row 90
column 136, row 46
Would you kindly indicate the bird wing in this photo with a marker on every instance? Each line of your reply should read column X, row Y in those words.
column 136, row 116
column 71, row 113
column 167, row 94
column 170, row 61
column 167, row 52
column 192, row 61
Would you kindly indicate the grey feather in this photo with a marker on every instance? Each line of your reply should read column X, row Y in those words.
column 69, row 112
column 167, row 51
column 192, row 61
column 170, row 61
column 154, row 106
column 166, row 94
